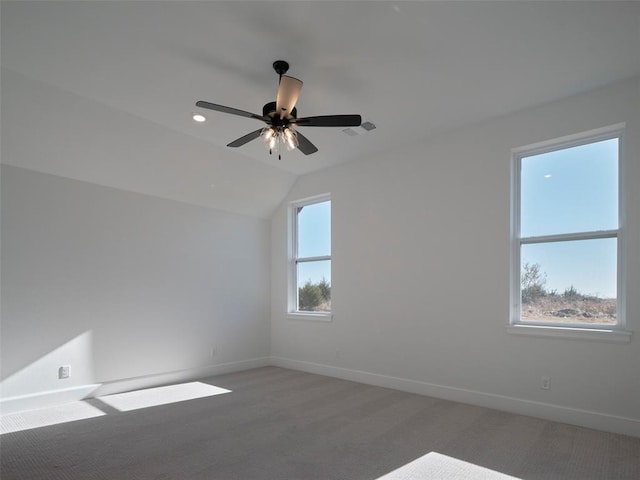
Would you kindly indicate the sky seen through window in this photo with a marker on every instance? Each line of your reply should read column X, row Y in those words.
column 568, row 191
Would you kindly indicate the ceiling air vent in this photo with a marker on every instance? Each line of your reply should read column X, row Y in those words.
column 353, row 132
column 350, row 131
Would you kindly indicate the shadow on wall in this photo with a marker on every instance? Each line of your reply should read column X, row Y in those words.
column 66, row 374
column 46, row 375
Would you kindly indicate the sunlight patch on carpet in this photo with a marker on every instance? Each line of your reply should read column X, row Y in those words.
column 152, row 397
column 43, row 417
column 436, row 465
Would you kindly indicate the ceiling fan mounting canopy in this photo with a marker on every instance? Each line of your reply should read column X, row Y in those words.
column 281, row 67
column 281, row 116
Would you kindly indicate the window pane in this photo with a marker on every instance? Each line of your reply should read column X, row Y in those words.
column 570, row 190
column 569, row 282
column 314, row 230
column 314, row 286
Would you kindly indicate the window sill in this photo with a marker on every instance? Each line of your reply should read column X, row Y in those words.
column 572, row 333
column 311, row 316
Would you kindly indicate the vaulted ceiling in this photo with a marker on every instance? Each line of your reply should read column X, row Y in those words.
column 105, row 91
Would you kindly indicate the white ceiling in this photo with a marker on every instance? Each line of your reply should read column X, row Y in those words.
column 134, row 70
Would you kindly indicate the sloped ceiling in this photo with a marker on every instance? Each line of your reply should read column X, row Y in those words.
column 104, row 91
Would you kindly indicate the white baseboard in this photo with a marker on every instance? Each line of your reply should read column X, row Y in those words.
column 51, row 398
column 48, row 398
column 148, row 381
column 547, row 411
column 574, row 416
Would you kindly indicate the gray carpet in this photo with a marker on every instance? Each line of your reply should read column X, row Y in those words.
column 284, row 424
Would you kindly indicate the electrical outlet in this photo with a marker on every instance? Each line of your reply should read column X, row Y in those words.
column 64, row 371
column 546, row 383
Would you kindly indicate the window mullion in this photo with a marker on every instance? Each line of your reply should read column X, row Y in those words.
column 313, row 259
column 567, row 237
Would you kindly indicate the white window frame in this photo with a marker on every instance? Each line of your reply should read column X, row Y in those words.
column 294, row 259
column 612, row 333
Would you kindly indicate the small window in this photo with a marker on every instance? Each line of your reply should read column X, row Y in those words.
column 310, row 269
column 566, row 234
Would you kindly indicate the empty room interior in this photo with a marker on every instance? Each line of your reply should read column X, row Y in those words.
column 320, row 240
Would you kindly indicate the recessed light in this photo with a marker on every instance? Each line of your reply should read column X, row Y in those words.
column 548, row 175
column 199, row 118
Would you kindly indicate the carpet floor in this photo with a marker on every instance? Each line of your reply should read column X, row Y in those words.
column 274, row 423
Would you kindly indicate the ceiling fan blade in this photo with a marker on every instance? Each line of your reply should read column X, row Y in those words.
column 233, row 111
column 329, row 121
column 304, row 145
column 288, row 93
column 246, row 139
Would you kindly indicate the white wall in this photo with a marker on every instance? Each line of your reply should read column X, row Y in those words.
column 122, row 285
column 420, row 274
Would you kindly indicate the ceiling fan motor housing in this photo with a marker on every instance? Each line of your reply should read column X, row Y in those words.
column 270, row 108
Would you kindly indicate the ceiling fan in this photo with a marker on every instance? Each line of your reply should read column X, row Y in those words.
column 281, row 117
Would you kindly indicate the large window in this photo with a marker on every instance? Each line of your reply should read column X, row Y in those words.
column 310, row 258
column 566, row 233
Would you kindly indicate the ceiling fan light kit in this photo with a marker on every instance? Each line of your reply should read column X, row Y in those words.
column 274, row 137
column 281, row 117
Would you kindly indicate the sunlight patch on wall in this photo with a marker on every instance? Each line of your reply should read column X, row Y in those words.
column 43, row 417
column 436, row 465
column 152, row 397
